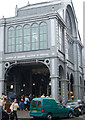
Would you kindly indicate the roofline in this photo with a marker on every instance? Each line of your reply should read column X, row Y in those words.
column 41, row 4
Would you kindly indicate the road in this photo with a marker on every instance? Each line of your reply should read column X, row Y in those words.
column 25, row 116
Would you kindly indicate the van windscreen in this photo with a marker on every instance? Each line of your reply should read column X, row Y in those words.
column 34, row 103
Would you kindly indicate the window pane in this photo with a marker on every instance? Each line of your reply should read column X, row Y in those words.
column 37, row 46
column 20, row 48
column 41, row 45
column 17, row 48
column 11, row 39
column 45, row 45
column 35, row 37
column 9, row 48
column 26, row 47
column 26, row 37
column 19, row 38
column 33, row 46
column 13, row 48
column 43, row 36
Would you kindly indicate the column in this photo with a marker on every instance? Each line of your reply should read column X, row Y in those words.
column 65, row 80
column 64, row 87
column 76, row 73
column 1, row 78
column 2, row 39
column 54, row 78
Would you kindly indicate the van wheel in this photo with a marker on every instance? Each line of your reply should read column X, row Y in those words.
column 70, row 114
column 49, row 116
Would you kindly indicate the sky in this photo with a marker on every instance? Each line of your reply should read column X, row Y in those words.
column 7, row 9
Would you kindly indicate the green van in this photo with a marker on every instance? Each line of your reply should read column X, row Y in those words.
column 48, row 108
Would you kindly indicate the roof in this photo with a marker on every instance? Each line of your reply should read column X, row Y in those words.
column 40, row 4
column 43, row 98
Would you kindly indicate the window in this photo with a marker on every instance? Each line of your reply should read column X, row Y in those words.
column 39, row 103
column 68, row 21
column 29, row 38
column 18, row 39
column 70, row 50
column 80, row 55
column 34, row 103
column 43, row 36
column 61, row 38
column 26, row 38
column 11, row 39
column 35, row 37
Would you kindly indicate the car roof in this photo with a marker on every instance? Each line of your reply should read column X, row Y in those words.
column 43, row 98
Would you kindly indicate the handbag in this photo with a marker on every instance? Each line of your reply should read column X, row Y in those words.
column 12, row 114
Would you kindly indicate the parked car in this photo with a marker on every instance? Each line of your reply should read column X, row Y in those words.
column 77, row 105
column 49, row 108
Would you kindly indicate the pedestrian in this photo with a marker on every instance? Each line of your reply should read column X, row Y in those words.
column 30, row 97
column 14, row 108
column 26, row 103
column 21, row 104
column 43, row 95
column 3, row 95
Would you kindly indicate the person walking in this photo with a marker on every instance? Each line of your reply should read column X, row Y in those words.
column 14, row 108
column 26, row 103
column 21, row 104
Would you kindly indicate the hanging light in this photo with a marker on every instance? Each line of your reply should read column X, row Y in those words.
column 24, row 85
column 33, row 84
column 21, row 90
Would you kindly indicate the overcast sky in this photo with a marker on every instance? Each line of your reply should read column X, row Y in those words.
column 7, row 9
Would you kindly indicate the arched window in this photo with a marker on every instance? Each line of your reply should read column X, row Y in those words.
column 68, row 22
column 18, row 38
column 43, row 36
column 61, row 38
column 11, row 39
column 26, row 37
column 61, row 76
column 70, row 50
column 35, row 37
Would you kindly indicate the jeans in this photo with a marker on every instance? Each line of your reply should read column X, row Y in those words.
column 15, row 114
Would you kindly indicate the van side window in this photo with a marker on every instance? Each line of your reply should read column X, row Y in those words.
column 39, row 103
column 34, row 103
column 60, row 105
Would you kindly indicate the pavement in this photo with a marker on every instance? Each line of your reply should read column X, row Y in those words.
column 24, row 115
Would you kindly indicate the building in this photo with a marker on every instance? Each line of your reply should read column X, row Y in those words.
column 84, row 42
column 41, row 51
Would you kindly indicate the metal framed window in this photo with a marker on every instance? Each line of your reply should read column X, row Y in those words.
column 61, row 38
column 19, row 42
column 27, row 42
column 43, row 35
column 35, row 37
column 11, row 39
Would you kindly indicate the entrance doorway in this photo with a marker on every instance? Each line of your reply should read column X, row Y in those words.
column 25, row 79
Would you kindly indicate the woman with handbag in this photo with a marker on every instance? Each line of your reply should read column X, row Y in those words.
column 13, row 108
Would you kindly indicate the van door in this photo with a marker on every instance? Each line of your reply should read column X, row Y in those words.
column 62, row 111
column 34, row 106
column 39, row 106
